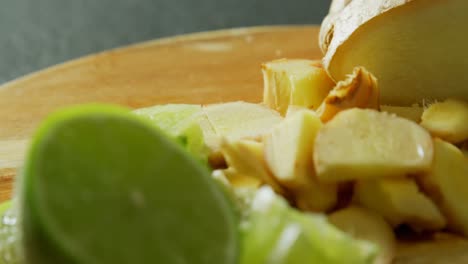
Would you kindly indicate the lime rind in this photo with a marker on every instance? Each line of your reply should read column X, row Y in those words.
column 41, row 208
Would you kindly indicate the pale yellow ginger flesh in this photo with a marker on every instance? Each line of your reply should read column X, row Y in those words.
column 239, row 180
column 399, row 201
column 294, row 82
column 292, row 109
column 315, row 196
column 289, row 148
column 239, row 120
column 247, row 165
column 359, row 89
column 416, row 49
column 245, row 162
column 288, row 154
column 447, row 120
column 412, row 113
column 364, row 224
column 447, row 183
column 367, row 144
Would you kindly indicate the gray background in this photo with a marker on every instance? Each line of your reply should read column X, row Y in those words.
column 38, row 33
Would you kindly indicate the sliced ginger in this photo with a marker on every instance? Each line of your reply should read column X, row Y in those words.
column 241, row 120
column 315, row 196
column 289, row 148
column 246, row 163
column 235, row 121
column 358, row 90
column 399, row 201
column 295, row 82
column 239, row 180
column 367, row 144
column 447, row 120
column 292, row 109
column 364, row 224
column 288, row 153
column 447, row 184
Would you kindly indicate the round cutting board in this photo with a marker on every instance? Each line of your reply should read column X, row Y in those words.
column 198, row 68
column 208, row 67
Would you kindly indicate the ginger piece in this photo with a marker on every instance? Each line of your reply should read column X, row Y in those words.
column 238, row 120
column 294, row 82
column 289, row 148
column 247, row 166
column 367, row 144
column 288, row 154
column 239, row 180
column 447, row 120
column 399, row 201
column 358, row 90
column 364, row 224
column 315, row 196
column 447, row 184
column 292, row 109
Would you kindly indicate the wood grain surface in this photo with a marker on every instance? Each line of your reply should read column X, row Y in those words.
column 200, row 68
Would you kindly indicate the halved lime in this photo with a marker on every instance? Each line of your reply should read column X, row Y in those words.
column 102, row 186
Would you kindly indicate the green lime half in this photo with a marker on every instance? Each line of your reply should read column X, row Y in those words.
column 101, row 185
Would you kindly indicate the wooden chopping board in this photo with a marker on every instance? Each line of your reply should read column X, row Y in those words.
column 208, row 67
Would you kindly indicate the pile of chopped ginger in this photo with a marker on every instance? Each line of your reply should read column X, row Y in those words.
column 333, row 148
